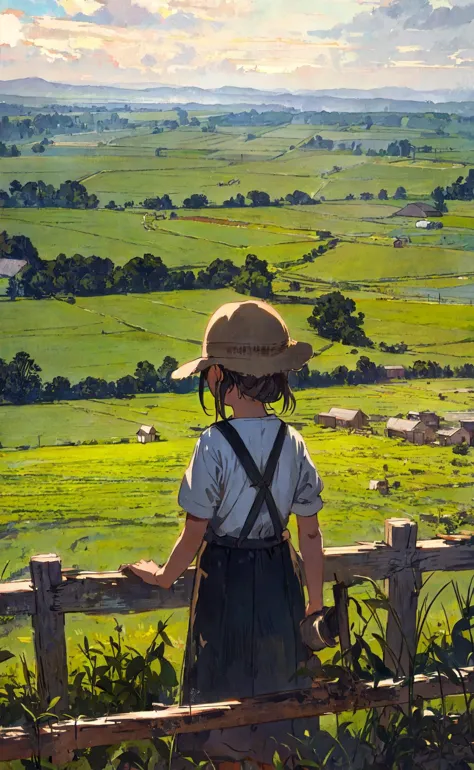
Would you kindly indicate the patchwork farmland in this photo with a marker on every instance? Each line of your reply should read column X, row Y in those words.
column 72, row 477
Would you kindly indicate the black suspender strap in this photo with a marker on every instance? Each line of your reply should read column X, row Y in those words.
column 262, row 482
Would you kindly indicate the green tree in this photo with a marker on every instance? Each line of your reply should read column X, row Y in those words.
column 196, row 201
column 254, row 278
column 383, row 195
column 219, row 274
column 439, row 199
column 13, row 288
column 259, row 198
column 146, row 377
column 23, row 382
column 56, row 390
column 400, row 194
column 334, row 318
column 126, row 386
column 37, row 148
column 164, row 372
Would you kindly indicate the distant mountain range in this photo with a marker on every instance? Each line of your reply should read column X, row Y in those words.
column 36, row 91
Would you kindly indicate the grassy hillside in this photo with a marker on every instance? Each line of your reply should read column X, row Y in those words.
column 99, row 506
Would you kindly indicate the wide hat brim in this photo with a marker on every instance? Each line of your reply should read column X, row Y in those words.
column 292, row 358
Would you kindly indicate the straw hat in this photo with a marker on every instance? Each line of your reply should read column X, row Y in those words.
column 249, row 338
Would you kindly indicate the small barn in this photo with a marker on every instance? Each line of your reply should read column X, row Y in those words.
column 343, row 418
column 452, row 436
column 401, row 241
column 379, row 485
column 431, row 419
column 414, row 431
column 146, row 434
column 395, row 372
column 420, row 210
column 11, row 267
column 468, row 425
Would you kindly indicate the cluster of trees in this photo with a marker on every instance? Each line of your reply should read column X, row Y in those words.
column 21, row 382
column 18, row 247
column 367, row 372
column 461, row 190
column 334, row 318
column 400, row 194
column 300, row 198
column 401, row 148
column 9, row 152
column 40, row 147
column 69, row 195
column 318, row 143
column 397, row 347
column 57, row 123
column 163, row 203
column 251, row 118
column 196, row 201
column 80, row 276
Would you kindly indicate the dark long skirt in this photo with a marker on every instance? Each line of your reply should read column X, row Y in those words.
column 244, row 640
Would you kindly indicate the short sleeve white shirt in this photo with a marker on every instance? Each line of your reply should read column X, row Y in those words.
column 216, row 487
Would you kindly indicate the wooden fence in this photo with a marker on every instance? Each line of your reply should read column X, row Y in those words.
column 400, row 560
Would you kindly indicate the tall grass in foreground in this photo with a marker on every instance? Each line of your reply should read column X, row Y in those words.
column 112, row 677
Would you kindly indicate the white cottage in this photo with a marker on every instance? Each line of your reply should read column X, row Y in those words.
column 146, row 434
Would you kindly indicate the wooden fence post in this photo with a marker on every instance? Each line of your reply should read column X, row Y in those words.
column 49, row 632
column 402, row 590
column 341, row 601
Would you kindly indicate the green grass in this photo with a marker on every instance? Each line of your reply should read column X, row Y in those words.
column 107, row 336
column 99, row 506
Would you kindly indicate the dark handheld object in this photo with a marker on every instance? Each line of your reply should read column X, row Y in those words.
column 321, row 629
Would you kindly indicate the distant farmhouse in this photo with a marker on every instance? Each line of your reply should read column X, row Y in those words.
column 414, row 431
column 453, row 436
column 401, row 241
column 343, row 418
column 468, row 424
column 419, row 210
column 146, row 434
column 431, row 419
column 11, row 267
column 395, row 372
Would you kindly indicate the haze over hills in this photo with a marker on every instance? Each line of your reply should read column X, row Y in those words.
column 36, row 91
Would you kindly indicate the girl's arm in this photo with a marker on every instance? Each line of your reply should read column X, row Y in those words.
column 182, row 555
column 311, row 549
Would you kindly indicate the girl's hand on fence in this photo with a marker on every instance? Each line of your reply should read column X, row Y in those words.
column 148, row 571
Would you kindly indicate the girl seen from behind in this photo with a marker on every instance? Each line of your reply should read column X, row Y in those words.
column 248, row 473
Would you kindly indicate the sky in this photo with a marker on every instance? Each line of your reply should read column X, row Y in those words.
column 266, row 44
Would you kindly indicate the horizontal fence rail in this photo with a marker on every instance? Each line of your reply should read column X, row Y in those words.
column 61, row 739
column 400, row 560
column 109, row 592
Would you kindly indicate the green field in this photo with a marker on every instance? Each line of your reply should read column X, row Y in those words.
column 107, row 336
column 100, row 505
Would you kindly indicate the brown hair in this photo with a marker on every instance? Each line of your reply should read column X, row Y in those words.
column 266, row 389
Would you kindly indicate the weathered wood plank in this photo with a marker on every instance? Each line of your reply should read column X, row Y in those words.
column 109, row 592
column 402, row 590
column 322, row 698
column 49, row 633
column 17, row 597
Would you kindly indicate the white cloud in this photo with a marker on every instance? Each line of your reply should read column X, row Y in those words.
column 11, row 29
column 86, row 7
